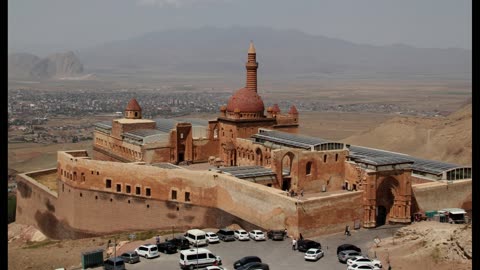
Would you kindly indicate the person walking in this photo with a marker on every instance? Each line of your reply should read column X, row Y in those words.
column 301, row 192
column 347, row 230
column 294, row 244
column 158, row 239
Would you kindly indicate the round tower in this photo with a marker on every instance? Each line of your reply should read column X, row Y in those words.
column 133, row 110
column 252, row 66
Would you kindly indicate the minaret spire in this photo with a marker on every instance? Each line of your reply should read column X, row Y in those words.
column 252, row 66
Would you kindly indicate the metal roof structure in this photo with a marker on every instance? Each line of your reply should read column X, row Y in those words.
column 381, row 161
column 255, row 174
column 247, row 171
column 288, row 139
column 142, row 133
column 165, row 125
column 419, row 164
column 104, row 125
column 165, row 165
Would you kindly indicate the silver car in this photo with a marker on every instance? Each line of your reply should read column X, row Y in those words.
column 343, row 256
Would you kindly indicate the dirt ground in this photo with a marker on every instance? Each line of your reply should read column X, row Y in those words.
column 428, row 245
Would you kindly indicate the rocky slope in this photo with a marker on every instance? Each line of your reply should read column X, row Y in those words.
column 446, row 139
column 55, row 66
column 428, row 245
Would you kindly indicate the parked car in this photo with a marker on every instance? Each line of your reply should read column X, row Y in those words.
column 313, row 254
column 241, row 235
column 116, row 263
column 348, row 247
column 362, row 260
column 215, row 267
column 306, row 244
column 344, row 255
column 226, row 235
column 199, row 257
column 257, row 235
column 181, row 242
column 148, row 251
column 254, row 266
column 130, row 257
column 212, row 238
column 167, row 247
column 276, row 234
column 245, row 260
column 362, row 267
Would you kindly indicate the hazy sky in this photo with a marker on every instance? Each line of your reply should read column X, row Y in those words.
column 44, row 26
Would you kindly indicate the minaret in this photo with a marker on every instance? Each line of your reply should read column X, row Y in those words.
column 252, row 66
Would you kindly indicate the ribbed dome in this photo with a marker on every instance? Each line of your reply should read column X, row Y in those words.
column 246, row 100
column 133, row 105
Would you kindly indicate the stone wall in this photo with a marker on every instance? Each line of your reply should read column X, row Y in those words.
column 329, row 214
column 439, row 195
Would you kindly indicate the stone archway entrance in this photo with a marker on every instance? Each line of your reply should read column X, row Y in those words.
column 286, row 170
column 386, row 195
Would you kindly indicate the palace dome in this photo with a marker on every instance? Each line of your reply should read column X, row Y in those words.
column 245, row 100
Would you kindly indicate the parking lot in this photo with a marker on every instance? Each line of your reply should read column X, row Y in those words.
column 279, row 254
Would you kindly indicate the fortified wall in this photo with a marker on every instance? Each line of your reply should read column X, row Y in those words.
column 96, row 197
column 439, row 195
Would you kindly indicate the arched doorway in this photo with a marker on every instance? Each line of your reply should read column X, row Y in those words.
column 286, row 170
column 385, row 200
column 258, row 157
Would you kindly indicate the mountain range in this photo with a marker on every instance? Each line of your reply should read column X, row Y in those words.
column 55, row 66
column 223, row 50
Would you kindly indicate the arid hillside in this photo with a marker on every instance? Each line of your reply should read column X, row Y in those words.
column 446, row 139
column 438, row 246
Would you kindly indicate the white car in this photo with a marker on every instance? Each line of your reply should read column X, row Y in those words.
column 313, row 254
column 212, row 237
column 215, row 268
column 241, row 235
column 257, row 235
column 362, row 267
column 148, row 251
column 362, row 260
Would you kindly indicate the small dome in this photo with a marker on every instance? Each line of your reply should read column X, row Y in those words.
column 223, row 108
column 246, row 100
column 275, row 108
column 133, row 105
column 269, row 109
column 293, row 110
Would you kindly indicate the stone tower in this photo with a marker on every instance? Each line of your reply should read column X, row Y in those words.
column 133, row 110
column 252, row 66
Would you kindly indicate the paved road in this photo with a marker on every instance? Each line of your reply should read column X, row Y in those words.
column 278, row 254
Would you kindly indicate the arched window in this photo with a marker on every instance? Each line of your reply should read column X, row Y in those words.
column 324, row 158
column 336, row 157
column 308, row 169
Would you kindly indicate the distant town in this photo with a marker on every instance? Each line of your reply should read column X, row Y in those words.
column 29, row 111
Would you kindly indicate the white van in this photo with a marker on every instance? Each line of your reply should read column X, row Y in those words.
column 196, row 237
column 199, row 257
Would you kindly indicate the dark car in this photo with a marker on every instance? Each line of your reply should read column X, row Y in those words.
column 180, row 242
column 116, row 263
column 130, row 257
column 254, row 266
column 276, row 234
column 167, row 247
column 305, row 244
column 246, row 260
column 348, row 247
column 226, row 235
